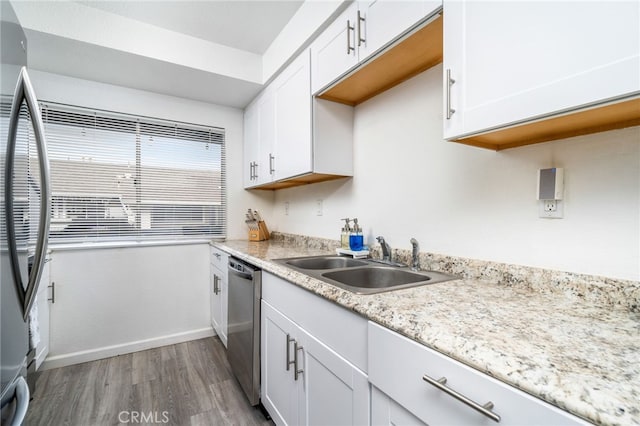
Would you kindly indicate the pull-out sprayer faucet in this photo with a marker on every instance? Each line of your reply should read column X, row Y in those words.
column 415, row 259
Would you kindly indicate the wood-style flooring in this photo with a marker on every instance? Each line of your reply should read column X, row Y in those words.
column 185, row 384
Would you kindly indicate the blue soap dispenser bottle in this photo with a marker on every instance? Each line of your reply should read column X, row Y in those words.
column 356, row 240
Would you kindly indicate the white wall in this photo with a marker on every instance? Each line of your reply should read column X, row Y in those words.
column 73, row 91
column 476, row 203
column 112, row 301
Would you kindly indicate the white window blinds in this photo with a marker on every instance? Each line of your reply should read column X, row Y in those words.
column 122, row 177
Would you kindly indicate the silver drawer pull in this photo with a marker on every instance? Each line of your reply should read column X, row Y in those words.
column 296, row 371
column 288, row 361
column 484, row 409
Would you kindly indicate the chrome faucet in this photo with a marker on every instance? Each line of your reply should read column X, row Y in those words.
column 415, row 259
column 386, row 249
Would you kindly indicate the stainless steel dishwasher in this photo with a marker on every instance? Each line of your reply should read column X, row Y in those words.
column 243, row 335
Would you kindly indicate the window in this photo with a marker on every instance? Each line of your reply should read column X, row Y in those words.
column 122, row 177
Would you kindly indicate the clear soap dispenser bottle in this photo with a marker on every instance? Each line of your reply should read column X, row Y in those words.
column 356, row 240
column 344, row 235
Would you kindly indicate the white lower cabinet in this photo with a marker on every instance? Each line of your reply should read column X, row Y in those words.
column 43, row 299
column 397, row 366
column 279, row 387
column 306, row 381
column 335, row 392
column 386, row 412
column 219, row 293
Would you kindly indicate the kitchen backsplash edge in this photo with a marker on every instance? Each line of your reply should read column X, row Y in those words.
column 590, row 288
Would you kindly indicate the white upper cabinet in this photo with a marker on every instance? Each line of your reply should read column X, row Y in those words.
column 513, row 62
column 293, row 120
column 359, row 32
column 266, row 137
column 292, row 138
column 259, row 139
column 381, row 21
column 251, row 147
column 334, row 51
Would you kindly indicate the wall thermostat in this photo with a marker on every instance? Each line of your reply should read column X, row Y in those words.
column 551, row 184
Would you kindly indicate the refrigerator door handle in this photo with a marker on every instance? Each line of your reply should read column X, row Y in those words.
column 22, row 402
column 24, row 90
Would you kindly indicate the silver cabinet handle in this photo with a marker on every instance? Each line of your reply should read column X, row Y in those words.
column 450, row 82
column 217, row 255
column 484, row 409
column 216, row 287
column 349, row 29
column 24, row 90
column 361, row 20
column 289, row 362
column 255, row 170
column 296, row 371
column 271, row 168
column 252, row 166
column 53, row 292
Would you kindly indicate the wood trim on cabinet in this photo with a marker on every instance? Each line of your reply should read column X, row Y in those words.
column 409, row 57
column 593, row 120
column 299, row 180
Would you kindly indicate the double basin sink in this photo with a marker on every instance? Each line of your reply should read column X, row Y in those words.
column 362, row 276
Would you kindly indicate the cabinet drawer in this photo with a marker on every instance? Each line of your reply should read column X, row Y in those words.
column 219, row 260
column 397, row 366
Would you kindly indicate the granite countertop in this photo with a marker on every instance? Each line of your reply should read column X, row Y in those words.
column 581, row 357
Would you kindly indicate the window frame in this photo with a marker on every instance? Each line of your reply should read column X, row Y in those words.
column 214, row 221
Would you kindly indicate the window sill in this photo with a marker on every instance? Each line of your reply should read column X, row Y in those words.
column 126, row 244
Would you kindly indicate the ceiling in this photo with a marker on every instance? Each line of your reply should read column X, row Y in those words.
column 244, row 25
column 207, row 50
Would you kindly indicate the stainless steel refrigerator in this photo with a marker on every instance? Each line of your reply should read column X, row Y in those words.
column 24, row 214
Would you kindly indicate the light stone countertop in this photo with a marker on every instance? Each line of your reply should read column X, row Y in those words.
column 581, row 357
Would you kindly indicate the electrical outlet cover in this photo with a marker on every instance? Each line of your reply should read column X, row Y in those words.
column 551, row 209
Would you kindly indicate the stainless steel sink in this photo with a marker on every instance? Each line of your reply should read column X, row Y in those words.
column 325, row 262
column 362, row 276
column 374, row 277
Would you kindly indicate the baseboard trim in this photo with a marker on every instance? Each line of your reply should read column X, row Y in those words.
column 64, row 360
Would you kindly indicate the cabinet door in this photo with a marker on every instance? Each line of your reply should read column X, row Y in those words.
column 334, row 51
column 516, row 61
column 334, row 391
column 267, row 113
column 293, row 119
column 386, row 412
column 279, row 389
column 384, row 20
column 251, row 144
column 42, row 349
column 216, row 302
